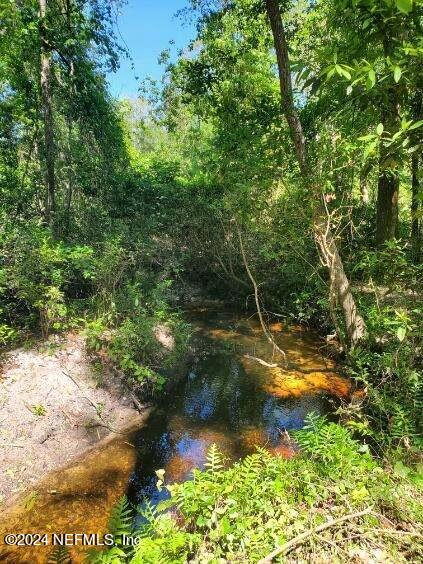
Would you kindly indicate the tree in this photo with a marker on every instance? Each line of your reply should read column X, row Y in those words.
column 340, row 287
column 47, row 112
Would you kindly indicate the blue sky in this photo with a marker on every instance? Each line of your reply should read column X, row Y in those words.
column 147, row 26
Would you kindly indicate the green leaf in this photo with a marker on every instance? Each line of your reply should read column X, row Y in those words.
column 201, row 521
column 345, row 73
column 401, row 333
column 401, row 470
column 404, row 6
column 397, row 73
column 371, row 80
column 416, row 124
column 379, row 129
column 370, row 149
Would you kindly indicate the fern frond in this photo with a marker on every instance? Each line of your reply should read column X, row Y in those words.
column 214, row 459
column 250, row 468
column 60, row 555
column 120, row 521
column 150, row 516
column 113, row 555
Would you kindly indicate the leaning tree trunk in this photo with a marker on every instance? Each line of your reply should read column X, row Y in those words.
column 47, row 112
column 339, row 287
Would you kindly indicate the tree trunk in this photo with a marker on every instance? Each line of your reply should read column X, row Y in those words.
column 416, row 221
column 47, row 111
column 387, row 207
column 388, row 183
column 69, row 160
column 340, row 287
column 415, row 208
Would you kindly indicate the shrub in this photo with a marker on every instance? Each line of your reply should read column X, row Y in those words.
column 37, row 277
column 241, row 513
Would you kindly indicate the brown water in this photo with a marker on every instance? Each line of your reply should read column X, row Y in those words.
column 233, row 400
column 226, row 398
column 72, row 500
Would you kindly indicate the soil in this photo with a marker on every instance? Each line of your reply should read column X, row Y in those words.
column 55, row 404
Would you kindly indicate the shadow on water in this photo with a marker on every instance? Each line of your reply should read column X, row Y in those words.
column 234, row 401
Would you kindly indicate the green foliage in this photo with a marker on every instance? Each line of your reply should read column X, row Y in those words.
column 38, row 410
column 120, row 522
column 134, row 346
column 149, row 197
column 60, row 555
column 8, row 335
column 94, row 334
column 242, row 512
column 327, row 442
column 38, row 275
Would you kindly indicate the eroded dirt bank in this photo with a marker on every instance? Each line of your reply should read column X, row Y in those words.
column 54, row 406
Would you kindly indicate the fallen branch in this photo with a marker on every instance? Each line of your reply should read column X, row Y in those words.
column 140, row 407
column 106, row 426
column 95, row 406
column 72, row 378
column 260, row 361
column 256, row 296
column 287, row 547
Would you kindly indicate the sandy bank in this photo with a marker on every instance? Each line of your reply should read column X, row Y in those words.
column 54, row 406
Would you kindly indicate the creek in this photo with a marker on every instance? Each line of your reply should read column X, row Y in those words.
column 227, row 397
column 230, row 398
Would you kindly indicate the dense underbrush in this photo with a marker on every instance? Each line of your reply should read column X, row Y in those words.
column 334, row 501
column 49, row 286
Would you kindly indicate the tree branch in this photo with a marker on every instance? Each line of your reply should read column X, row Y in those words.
column 256, row 297
column 287, row 547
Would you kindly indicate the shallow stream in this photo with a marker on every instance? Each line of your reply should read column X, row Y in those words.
column 228, row 397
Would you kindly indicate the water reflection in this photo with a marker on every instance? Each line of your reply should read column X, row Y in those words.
column 233, row 401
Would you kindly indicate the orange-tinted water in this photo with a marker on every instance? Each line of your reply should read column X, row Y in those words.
column 73, row 500
column 227, row 398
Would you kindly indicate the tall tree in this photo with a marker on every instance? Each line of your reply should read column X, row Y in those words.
column 340, row 287
column 415, row 182
column 47, row 112
column 388, row 183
